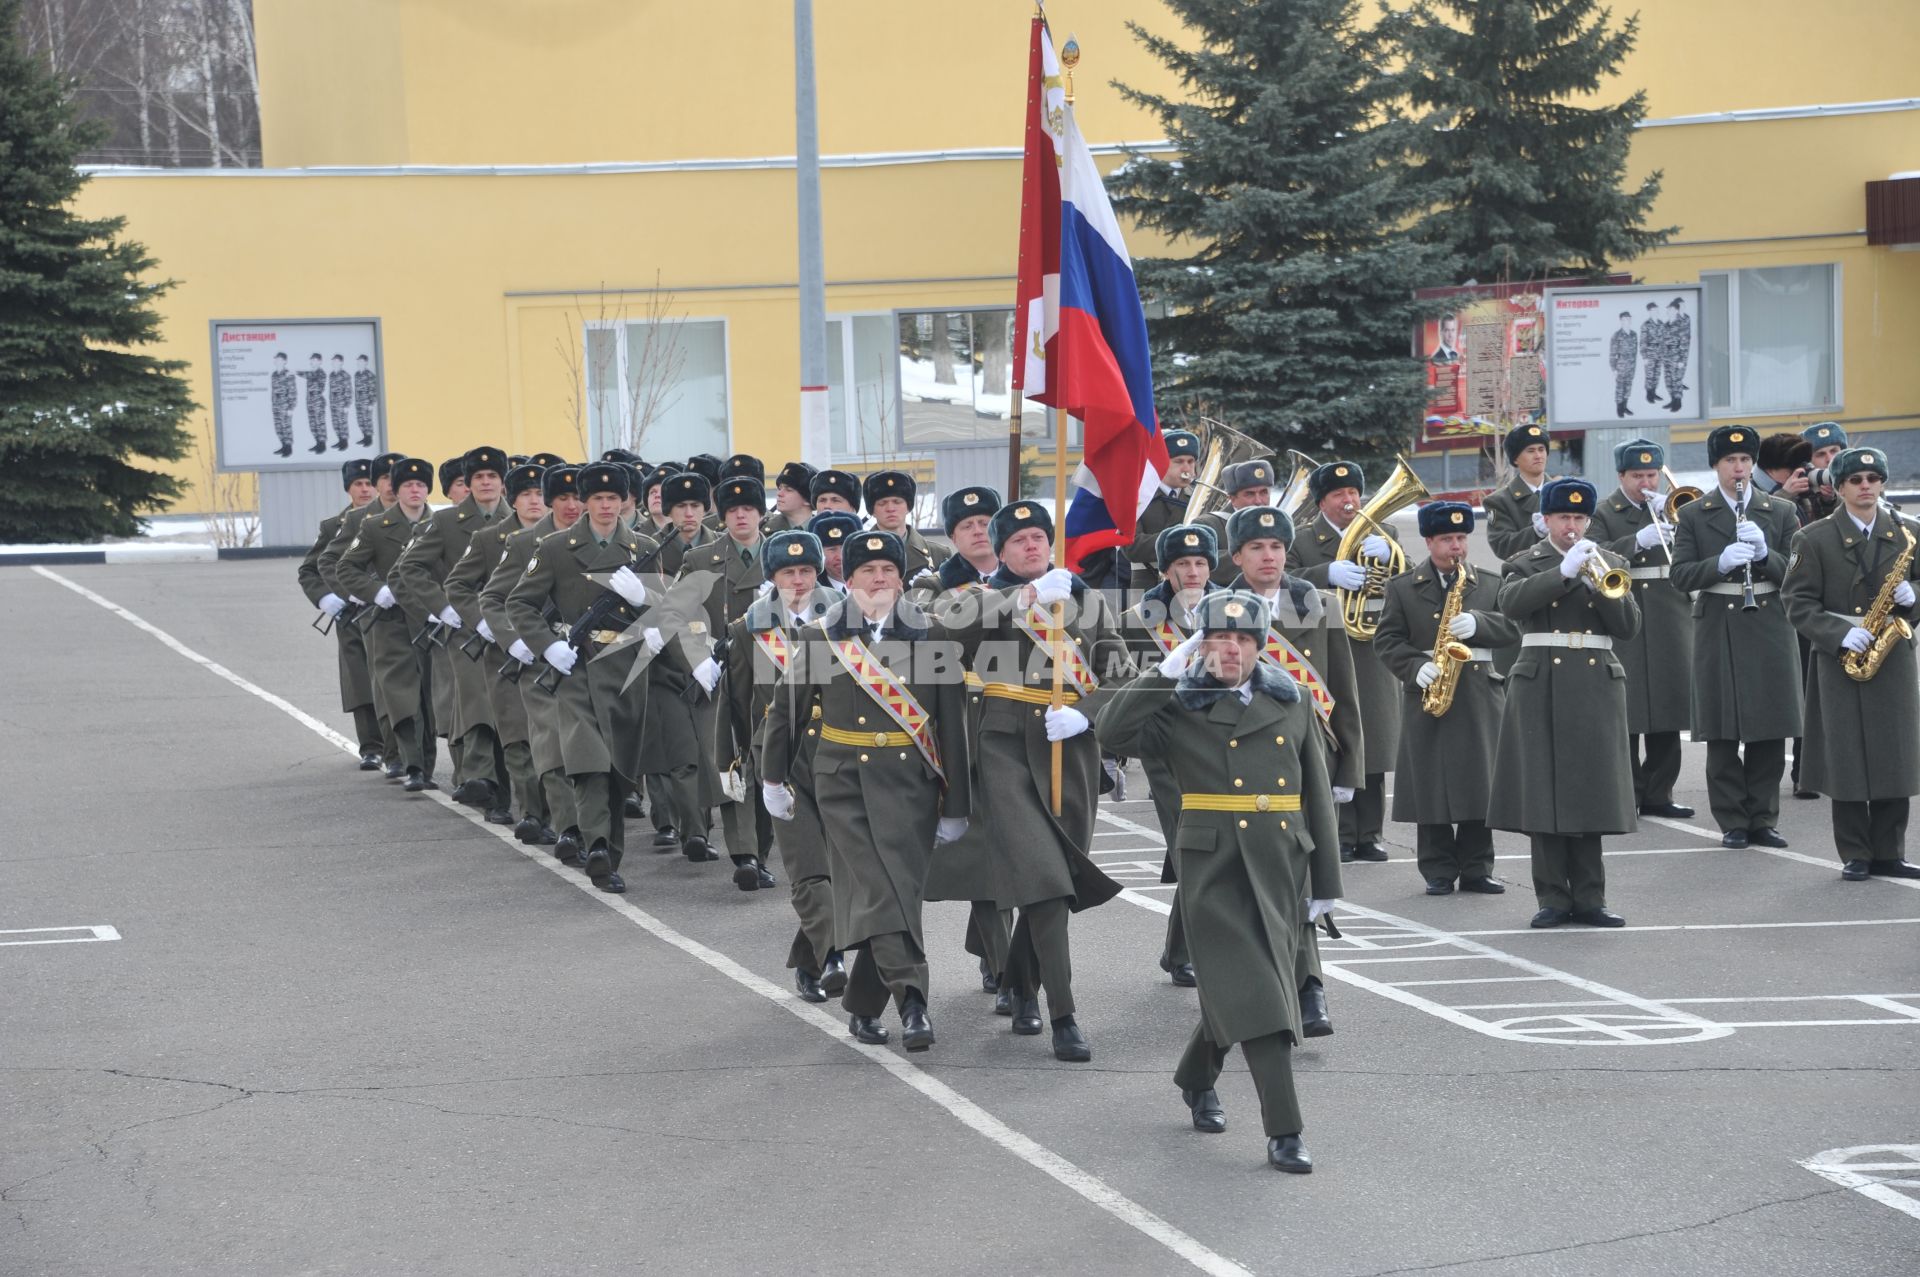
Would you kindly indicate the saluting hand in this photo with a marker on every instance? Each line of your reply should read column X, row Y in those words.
column 1175, row 663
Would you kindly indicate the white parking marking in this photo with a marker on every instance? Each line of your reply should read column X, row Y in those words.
column 1823, row 862
column 59, row 935
column 1878, row 1171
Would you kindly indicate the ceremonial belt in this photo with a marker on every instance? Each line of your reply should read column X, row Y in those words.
column 1660, row 573
column 1478, row 654
column 773, row 642
column 1738, row 587
column 1239, row 802
column 841, row 736
column 890, row 694
column 1374, row 605
column 603, row 637
column 1074, row 665
column 1602, row 641
column 1031, row 695
column 1855, row 620
column 1285, row 657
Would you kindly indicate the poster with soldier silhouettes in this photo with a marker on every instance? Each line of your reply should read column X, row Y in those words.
column 1625, row 356
column 297, row 394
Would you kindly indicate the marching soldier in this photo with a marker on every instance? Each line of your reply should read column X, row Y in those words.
column 1653, row 350
column 833, row 527
column 1186, row 554
column 890, row 497
column 315, row 375
column 453, row 479
column 284, row 395
column 1443, row 781
column 1746, row 664
column 366, row 392
column 891, row 777
column 1166, row 507
column 757, row 652
column 1864, row 753
column 792, row 499
column 401, row 672
column 1622, row 353
column 835, row 490
column 1256, row 868
column 653, row 516
column 677, row 757
column 1338, row 488
column 329, row 561
column 967, row 514
column 685, row 497
column 356, row 688
column 708, row 467
column 339, row 397
column 1041, row 865
column 1563, row 740
column 601, row 709
column 1247, row 483
column 1513, row 503
column 1630, row 524
column 1677, row 342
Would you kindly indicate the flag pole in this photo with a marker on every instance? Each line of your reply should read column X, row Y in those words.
column 1069, row 58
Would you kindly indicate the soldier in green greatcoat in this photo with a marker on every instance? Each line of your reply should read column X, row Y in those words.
column 792, row 499
column 677, row 756
column 328, row 561
column 356, row 687
column 1166, row 507
column 1255, row 847
column 1247, row 484
column 1860, row 733
column 890, row 496
column 1515, row 500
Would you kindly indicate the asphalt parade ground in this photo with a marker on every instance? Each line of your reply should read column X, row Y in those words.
column 261, row 1012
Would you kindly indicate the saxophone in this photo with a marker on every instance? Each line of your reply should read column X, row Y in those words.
column 1449, row 653
column 1887, row 629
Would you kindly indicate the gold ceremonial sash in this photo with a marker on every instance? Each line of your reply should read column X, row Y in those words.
column 1285, row 657
column 773, row 643
column 1074, row 667
column 891, row 695
column 1166, row 637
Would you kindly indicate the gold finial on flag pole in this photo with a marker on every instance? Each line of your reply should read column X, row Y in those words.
column 1069, row 59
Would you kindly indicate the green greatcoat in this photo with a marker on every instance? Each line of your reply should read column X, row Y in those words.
column 1314, row 547
column 963, row 868
column 1310, row 620
column 356, row 687
column 540, row 709
column 752, row 682
column 1746, row 666
column 602, row 716
column 1138, row 624
column 1510, row 508
column 1860, row 736
column 1657, row 659
column 398, row 668
column 460, row 700
column 1036, row 855
column 1562, row 758
column 1245, row 877
column 736, row 582
column 924, row 554
column 506, row 713
column 1445, row 771
column 878, row 804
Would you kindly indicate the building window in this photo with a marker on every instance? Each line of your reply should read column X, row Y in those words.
column 1772, row 339
column 863, row 393
column 658, row 388
column 955, row 379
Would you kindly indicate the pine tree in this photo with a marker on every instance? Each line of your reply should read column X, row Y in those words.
column 77, row 406
column 1290, row 314
column 1526, row 181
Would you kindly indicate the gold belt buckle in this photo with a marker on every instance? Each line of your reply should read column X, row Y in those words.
column 879, row 738
column 1261, row 802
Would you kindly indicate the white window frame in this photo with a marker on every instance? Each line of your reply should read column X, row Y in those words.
column 1732, row 275
column 899, row 390
column 847, row 369
column 619, row 328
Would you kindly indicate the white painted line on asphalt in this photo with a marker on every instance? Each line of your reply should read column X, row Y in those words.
column 1820, row 862
column 1878, row 1171
column 56, row 935
column 1083, row 1183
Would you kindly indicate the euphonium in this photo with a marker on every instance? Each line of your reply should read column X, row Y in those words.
column 1225, row 447
column 1887, row 629
column 1401, row 490
column 1449, row 653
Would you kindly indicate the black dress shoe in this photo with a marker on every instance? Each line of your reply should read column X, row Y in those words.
column 632, row 808
column 549, row 837
column 1598, row 917
column 744, row 876
column 571, row 849
column 1180, row 972
column 499, row 816
column 1069, row 1044
column 989, row 982
column 473, row 793
column 1735, row 839
column 1346, row 853
column 418, row 781
column 833, row 975
column 1856, row 870
column 916, row 1031
column 1439, row 886
column 867, row 1029
column 1764, row 837
column 1287, row 1153
column 1803, row 793
column 1314, row 1022
column 665, row 840
column 1550, row 918
column 1483, row 886
column 1893, row 869
column 370, row 761
column 1003, row 1002
column 699, row 850
column 1372, row 851
column 1672, row 811
column 807, row 987
column 396, row 771
column 767, row 880
column 1208, row 1116
column 1026, row 1015
column 528, row 830
column 613, row 884
column 599, row 861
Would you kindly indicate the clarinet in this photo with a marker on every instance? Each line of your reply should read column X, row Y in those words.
column 1747, row 602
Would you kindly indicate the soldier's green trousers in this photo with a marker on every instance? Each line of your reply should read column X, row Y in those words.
column 889, row 965
column 673, row 798
column 1875, row 830
column 989, row 934
column 1038, row 957
column 366, row 729
column 1743, row 782
column 1656, row 766
column 562, row 812
column 1444, row 851
column 1364, row 819
column 481, row 755
column 600, row 801
column 1567, row 871
column 1269, row 1059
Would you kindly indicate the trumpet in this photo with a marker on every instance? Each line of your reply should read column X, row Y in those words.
column 1608, row 582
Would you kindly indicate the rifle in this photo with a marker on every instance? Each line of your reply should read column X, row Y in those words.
column 608, row 613
column 433, row 634
column 514, row 667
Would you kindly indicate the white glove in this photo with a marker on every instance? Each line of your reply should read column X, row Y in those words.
column 1735, row 555
column 707, row 673
column 1318, row 909
column 949, row 829
column 521, row 652
column 1376, row 547
column 1065, row 722
column 766, row 588
column 1539, row 524
column 628, row 586
column 778, row 800
column 561, row 657
column 1464, row 626
column 1175, row 663
column 1424, row 677
column 1857, row 639
column 655, row 641
column 483, row 629
column 332, row 604
column 1648, row 537
column 1342, row 795
column 1055, row 587
column 449, row 617
column 1903, row 594
column 1346, row 574
column 1576, row 559
column 385, row 598
column 1750, row 532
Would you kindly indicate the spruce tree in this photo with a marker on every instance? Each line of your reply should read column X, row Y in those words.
column 1289, row 312
column 1526, row 178
column 77, row 406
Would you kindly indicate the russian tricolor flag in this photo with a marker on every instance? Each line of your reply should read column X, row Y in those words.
column 1078, row 321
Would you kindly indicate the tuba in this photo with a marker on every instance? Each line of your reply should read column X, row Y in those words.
column 1225, row 447
column 1402, row 489
column 1293, row 497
